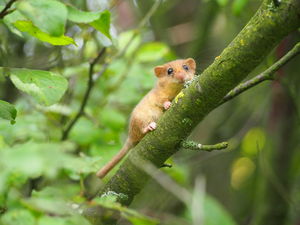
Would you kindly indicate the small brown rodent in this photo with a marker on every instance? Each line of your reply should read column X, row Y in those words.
column 171, row 77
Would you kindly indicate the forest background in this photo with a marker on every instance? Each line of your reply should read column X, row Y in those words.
column 72, row 71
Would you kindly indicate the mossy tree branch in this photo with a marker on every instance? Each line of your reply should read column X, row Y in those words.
column 266, row 75
column 266, row 28
column 196, row 146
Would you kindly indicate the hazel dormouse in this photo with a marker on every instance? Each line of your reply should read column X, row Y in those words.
column 171, row 78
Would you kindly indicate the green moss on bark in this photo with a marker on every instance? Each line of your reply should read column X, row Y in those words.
column 267, row 27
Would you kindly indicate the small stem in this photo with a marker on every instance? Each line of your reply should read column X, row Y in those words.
column 166, row 165
column 6, row 10
column 143, row 22
column 90, row 85
column 104, row 67
column 266, row 75
column 196, row 146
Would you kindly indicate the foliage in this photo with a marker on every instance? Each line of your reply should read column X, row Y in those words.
column 46, row 50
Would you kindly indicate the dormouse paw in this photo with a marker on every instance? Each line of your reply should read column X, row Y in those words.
column 152, row 126
column 167, row 105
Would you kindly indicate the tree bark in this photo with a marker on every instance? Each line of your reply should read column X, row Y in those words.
column 266, row 28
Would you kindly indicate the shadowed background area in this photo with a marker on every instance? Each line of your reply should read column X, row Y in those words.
column 49, row 156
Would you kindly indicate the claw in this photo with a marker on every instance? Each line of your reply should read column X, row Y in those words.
column 150, row 127
column 167, row 105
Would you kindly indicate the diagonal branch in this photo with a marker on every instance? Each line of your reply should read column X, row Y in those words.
column 91, row 83
column 92, row 79
column 196, row 146
column 266, row 28
column 6, row 10
column 266, row 75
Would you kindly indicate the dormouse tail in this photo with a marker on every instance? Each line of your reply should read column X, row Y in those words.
column 115, row 160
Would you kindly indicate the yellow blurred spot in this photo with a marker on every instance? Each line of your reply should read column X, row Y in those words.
column 241, row 170
column 2, row 142
column 254, row 140
column 217, row 57
column 242, row 42
column 180, row 95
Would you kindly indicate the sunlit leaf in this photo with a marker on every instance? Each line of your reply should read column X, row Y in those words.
column 78, row 16
column 46, row 87
column 222, row 2
column 11, row 18
column 253, row 141
column 48, row 15
column 50, row 220
column 130, row 41
column 152, row 51
column 27, row 26
column 103, row 23
column 7, row 111
column 242, row 169
column 18, row 217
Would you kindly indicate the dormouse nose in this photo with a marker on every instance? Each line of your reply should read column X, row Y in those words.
column 181, row 76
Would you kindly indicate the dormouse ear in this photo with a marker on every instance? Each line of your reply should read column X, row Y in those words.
column 159, row 71
column 191, row 63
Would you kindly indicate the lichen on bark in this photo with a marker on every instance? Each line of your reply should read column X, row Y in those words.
column 266, row 28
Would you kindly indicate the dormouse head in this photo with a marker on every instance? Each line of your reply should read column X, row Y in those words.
column 177, row 71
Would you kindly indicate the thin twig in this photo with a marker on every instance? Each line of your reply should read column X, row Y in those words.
column 91, row 83
column 6, row 9
column 143, row 22
column 92, row 79
column 137, row 31
column 266, row 75
column 196, row 146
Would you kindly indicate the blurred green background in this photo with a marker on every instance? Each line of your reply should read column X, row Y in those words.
column 45, row 181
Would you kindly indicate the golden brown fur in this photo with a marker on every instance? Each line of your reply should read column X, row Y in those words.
column 151, row 107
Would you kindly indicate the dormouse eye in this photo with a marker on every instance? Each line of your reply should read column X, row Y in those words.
column 185, row 67
column 170, row 71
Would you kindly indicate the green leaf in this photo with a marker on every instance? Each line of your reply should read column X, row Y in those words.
column 49, row 15
column 27, row 26
column 222, row 2
column 50, row 220
column 7, row 111
column 11, row 18
column 46, row 87
column 152, row 51
column 112, row 118
column 125, row 38
column 83, row 165
column 78, row 16
column 73, row 220
column 103, row 23
column 35, row 159
column 253, row 141
column 17, row 217
column 238, row 6
column 108, row 200
column 215, row 214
